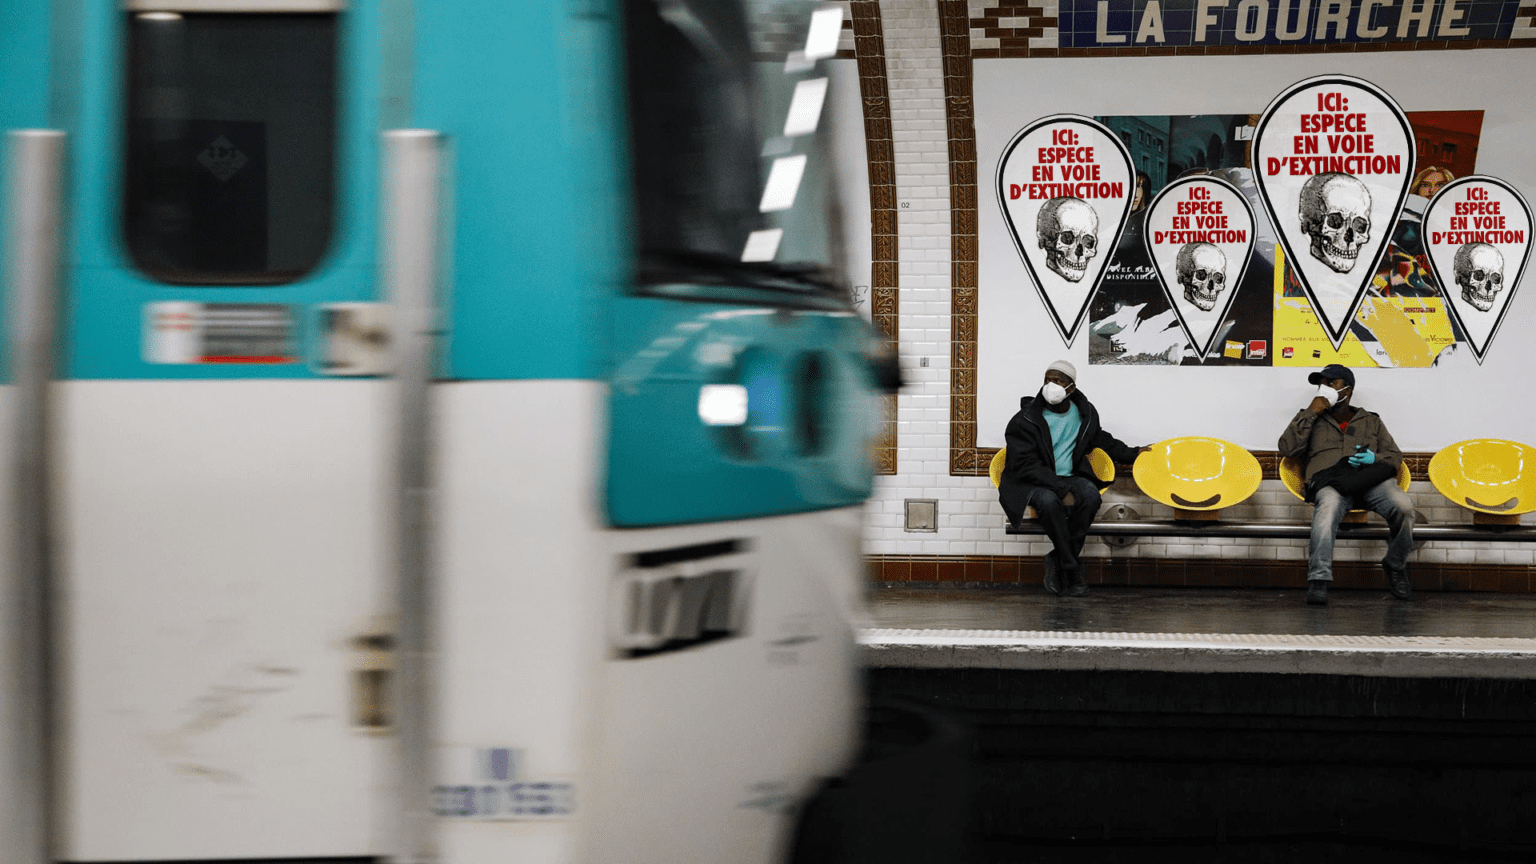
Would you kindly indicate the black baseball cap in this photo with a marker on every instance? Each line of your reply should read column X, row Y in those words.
column 1330, row 372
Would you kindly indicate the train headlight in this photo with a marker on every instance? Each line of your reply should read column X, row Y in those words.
column 723, row 404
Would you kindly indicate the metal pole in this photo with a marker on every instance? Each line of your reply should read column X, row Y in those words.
column 1293, row 530
column 412, row 198
column 34, row 225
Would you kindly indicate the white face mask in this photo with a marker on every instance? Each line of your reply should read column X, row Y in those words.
column 1328, row 393
column 1054, row 393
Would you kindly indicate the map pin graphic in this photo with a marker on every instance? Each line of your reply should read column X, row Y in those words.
column 1333, row 159
column 1199, row 236
column 1477, row 235
column 1065, row 184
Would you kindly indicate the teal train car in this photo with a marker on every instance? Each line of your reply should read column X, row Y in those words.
column 440, row 430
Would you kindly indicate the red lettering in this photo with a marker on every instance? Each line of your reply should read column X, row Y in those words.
column 1464, row 208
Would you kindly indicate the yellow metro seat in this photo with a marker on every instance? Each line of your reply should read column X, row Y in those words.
column 1103, row 467
column 1197, row 474
column 1291, row 471
column 1487, row 476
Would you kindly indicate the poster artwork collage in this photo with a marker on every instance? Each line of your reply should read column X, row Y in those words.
column 1358, row 242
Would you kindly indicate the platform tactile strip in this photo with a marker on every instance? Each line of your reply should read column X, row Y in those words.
column 1024, row 638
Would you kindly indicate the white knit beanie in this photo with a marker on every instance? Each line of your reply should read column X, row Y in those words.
column 1064, row 368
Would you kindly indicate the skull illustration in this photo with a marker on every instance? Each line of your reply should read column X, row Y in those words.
column 1067, row 229
column 1480, row 273
column 1202, row 270
column 1336, row 214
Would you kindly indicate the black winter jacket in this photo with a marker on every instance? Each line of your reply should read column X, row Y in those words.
column 1031, row 461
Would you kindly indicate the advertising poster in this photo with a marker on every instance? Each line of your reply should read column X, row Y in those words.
column 1333, row 157
column 1131, row 321
column 1194, row 118
column 1478, row 234
column 1065, row 187
column 1403, row 320
column 1199, row 236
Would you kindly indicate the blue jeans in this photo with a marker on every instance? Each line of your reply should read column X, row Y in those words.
column 1385, row 498
column 1067, row 526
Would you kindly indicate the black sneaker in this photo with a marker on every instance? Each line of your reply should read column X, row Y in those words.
column 1399, row 582
column 1317, row 592
column 1052, row 575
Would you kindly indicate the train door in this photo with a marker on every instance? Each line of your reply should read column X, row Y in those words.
column 222, row 460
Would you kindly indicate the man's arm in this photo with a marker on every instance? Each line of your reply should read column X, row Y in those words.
column 1386, row 448
column 1024, row 463
column 1118, row 450
column 1297, row 436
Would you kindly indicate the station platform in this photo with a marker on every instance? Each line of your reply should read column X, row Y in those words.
column 1360, row 632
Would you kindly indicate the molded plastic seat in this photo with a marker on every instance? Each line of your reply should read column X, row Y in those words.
column 1291, row 472
column 1103, row 467
column 1487, row 475
column 1195, row 473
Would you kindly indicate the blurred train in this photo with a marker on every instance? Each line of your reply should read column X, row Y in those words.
column 436, row 430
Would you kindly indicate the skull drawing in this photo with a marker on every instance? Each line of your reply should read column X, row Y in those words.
column 1202, row 270
column 1068, row 231
column 1336, row 214
column 1480, row 273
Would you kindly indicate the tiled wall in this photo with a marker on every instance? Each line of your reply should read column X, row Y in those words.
column 930, row 46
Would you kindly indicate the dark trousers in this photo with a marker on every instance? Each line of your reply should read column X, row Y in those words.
column 1067, row 526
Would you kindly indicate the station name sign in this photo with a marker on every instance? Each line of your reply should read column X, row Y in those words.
column 1183, row 23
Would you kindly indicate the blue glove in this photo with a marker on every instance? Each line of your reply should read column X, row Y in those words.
column 1363, row 456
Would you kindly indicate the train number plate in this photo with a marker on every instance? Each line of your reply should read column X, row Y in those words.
column 181, row 332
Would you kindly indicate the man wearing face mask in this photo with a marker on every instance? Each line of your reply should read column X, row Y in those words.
column 1351, row 463
column 1047, row 468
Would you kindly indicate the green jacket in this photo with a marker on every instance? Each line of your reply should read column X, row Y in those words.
column 1317, row 440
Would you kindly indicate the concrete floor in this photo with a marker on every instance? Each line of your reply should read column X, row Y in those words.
column 1186, row 610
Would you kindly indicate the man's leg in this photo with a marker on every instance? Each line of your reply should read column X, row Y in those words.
column 1080, row 517
column 1394, row 505
column 1328, row 511
column 1052, row 516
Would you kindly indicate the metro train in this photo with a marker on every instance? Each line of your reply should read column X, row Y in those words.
column 436, row 430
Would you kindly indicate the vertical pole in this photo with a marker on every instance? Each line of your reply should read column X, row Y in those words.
column 412, row 198
column 34, row 224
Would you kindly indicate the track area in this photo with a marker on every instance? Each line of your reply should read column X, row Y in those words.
column 1204, row 725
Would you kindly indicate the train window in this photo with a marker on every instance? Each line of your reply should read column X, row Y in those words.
column 732, row 174
column 230, row 145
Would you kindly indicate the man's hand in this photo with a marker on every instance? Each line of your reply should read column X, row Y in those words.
column 1364, row 456
column 1319, row 405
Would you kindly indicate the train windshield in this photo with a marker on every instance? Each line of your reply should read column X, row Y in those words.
column 733, row 169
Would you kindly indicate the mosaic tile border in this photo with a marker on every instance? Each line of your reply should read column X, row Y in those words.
column 1007, row 571
column 960, row 117
column 1022, row 28
column 880, row 150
